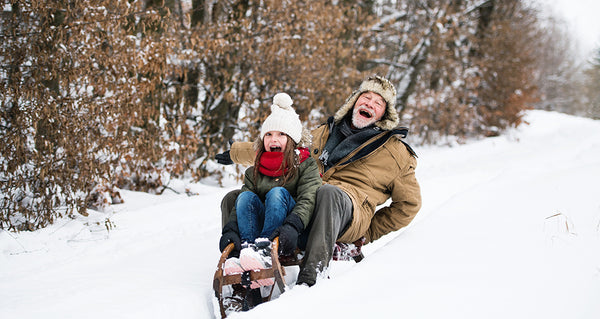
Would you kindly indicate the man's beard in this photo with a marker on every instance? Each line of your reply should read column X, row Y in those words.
column 360, row 121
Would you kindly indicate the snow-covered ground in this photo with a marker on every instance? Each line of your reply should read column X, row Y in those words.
column 510, row 228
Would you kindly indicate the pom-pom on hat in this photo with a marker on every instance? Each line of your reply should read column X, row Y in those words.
column 283, row 118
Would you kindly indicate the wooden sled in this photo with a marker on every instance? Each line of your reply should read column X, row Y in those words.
column 242, row 281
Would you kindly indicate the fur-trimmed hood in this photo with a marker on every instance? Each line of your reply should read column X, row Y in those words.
column 381, row 86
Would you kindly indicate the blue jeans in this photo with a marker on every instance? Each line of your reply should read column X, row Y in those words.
column 258, row 220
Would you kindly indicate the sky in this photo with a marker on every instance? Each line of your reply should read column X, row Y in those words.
column 509, row 228
column 582, row 18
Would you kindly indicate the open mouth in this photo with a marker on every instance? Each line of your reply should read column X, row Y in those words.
column 364, row 113
column 275, row 148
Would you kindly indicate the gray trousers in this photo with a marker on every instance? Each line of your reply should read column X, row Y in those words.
column 228, row 206
column 332, row 216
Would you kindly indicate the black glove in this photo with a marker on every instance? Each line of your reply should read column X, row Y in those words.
column 224, row 158
column 231, row 234
column 288, row 234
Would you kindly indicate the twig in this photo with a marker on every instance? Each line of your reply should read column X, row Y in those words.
column 567, row 222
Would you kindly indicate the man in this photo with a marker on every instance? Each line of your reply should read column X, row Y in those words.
column 363, row 163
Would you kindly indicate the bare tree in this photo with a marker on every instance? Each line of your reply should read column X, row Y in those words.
column 593, row 86
column 461, row 66
column 558, row 75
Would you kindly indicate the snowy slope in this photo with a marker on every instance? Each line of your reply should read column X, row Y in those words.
column 510, row 228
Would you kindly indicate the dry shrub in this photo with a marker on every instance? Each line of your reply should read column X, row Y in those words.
column 113, row 93
column 118, row 93
column 77, row 84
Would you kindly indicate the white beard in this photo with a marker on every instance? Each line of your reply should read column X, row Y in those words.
column 359, row 121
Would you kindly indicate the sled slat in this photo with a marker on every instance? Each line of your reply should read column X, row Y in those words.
column 254, row 275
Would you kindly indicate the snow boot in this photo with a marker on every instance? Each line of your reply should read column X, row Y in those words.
column 256, row 257
column 232, row 266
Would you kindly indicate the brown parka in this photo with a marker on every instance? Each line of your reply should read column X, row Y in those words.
column 386, row 171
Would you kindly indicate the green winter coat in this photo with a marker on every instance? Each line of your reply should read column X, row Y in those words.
column 303, row 188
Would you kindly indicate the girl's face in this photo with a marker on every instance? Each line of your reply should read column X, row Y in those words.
column 275, row 141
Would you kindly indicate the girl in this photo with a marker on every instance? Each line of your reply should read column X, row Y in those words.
column 278, row 195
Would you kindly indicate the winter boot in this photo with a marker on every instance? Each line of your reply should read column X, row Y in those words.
column 256, row 257
column 232, row 266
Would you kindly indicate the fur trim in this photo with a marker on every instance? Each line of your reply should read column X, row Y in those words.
column 382, row 87
column 306, row 139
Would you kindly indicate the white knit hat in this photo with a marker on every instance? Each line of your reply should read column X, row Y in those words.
column 283, row 118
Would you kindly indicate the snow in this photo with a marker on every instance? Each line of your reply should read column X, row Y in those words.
column 510, row 228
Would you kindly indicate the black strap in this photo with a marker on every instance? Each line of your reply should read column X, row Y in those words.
column 402, row 131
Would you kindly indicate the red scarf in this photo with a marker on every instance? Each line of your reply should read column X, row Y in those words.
column 270, row 162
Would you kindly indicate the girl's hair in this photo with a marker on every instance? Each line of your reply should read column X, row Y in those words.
column 289, row 156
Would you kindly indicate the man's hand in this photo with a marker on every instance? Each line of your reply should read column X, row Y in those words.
column 224, row 158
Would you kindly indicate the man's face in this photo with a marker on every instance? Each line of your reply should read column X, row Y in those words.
column 368, row 109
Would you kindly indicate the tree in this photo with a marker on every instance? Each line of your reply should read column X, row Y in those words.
column 557, row 73
column 506, row 58
column 73, row 83
column 593, row 86
column 461, row 66
column 237, row 55
column 113, row 92
column 130, row 93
